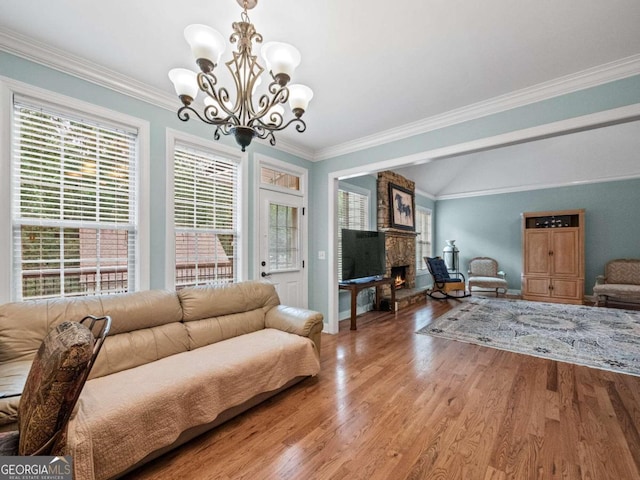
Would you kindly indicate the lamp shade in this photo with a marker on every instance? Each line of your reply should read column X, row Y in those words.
column 299, row 96
column 205, row 42
column 184, row 81
column 280, row 57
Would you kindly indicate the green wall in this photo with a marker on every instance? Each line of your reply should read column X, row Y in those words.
column 491, row 225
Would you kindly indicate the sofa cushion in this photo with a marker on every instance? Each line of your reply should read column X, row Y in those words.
column 211, row 330
column 130, row 349
column 166, row 397
column 487, row 282
column 618, row 290
column 23, row 325
column 138, row 310
column 623, row 272
column 56, row 375
column 215, row 301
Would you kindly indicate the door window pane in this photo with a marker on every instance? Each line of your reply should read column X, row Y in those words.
column 283, row 237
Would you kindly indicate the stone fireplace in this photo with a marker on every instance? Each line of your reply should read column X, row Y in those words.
column 400, row 245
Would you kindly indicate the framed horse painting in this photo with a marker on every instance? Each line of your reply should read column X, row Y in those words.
column 402, row 206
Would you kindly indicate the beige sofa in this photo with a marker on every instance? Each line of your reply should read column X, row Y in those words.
column 620, row 283
column 173, row 366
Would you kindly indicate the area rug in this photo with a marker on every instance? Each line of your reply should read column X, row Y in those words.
column 604, row 338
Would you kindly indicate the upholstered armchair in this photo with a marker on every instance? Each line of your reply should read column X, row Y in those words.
column 621, row 282
column 483, row 274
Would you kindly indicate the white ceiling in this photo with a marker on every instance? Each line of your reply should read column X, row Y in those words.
column 374, row 65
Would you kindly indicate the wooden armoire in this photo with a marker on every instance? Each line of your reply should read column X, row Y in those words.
column 553, row 254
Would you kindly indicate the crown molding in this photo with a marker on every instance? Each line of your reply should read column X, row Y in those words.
column 609, row 72
column 425, row 194
column 38, row 52
column 542, row 186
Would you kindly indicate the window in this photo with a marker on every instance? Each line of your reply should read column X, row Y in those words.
column 74, row 203
column 205, row 216
column 353, row 213
column 423, row 240
column 271, row 176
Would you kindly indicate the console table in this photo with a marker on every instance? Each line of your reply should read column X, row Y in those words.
column 355, row 287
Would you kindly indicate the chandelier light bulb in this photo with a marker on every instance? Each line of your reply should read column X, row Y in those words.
column 207, row 45
column 185, row 83
column 281, row 59
column 299, row 98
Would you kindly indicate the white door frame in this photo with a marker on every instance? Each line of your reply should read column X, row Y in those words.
column 261, row 160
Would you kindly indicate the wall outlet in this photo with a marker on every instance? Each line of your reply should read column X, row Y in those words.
column 322, row 255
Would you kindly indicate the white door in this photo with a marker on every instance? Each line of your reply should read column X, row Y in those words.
column 281, row 257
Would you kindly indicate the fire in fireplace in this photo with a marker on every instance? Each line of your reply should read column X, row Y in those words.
column 400, row 275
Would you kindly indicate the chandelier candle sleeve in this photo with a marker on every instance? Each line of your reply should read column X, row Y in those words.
column 186, row 84
column 241, row 112
column 205, row 42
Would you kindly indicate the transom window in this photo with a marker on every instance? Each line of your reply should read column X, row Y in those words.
column 271, row 176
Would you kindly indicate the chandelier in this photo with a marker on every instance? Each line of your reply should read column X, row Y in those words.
column 245, row 115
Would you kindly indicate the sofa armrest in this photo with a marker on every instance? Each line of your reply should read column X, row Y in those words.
column 502, row 274
column 293, row 320
column 601, row 280
column 306, row 323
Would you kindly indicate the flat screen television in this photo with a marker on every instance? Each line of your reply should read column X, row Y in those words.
column 363, row 255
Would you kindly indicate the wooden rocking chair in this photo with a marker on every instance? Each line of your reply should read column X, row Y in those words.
column 443, row 285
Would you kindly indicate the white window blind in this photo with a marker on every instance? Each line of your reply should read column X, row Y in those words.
column 205, row 217
column 423, row 240
column 74, row 200
column 353, row 214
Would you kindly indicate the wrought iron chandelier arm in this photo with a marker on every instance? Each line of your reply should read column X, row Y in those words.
column 300, row 126
column 184, row 114
column 216, row 113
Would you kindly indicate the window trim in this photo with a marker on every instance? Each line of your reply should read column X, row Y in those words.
column 175, row 136
column 9, row 88
column 422, row 269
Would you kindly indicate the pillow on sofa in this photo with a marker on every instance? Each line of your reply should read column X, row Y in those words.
column 56, row 375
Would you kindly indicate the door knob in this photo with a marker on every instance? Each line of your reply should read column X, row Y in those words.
column 265, row 274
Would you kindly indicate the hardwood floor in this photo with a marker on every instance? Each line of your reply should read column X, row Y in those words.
column 392, row 404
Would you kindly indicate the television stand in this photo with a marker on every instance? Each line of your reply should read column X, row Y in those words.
column 355, row 287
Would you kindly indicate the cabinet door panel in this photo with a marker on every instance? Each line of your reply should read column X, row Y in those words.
column 562, row 288
column 536, row 286
column 537, row 252
column 565, row 252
